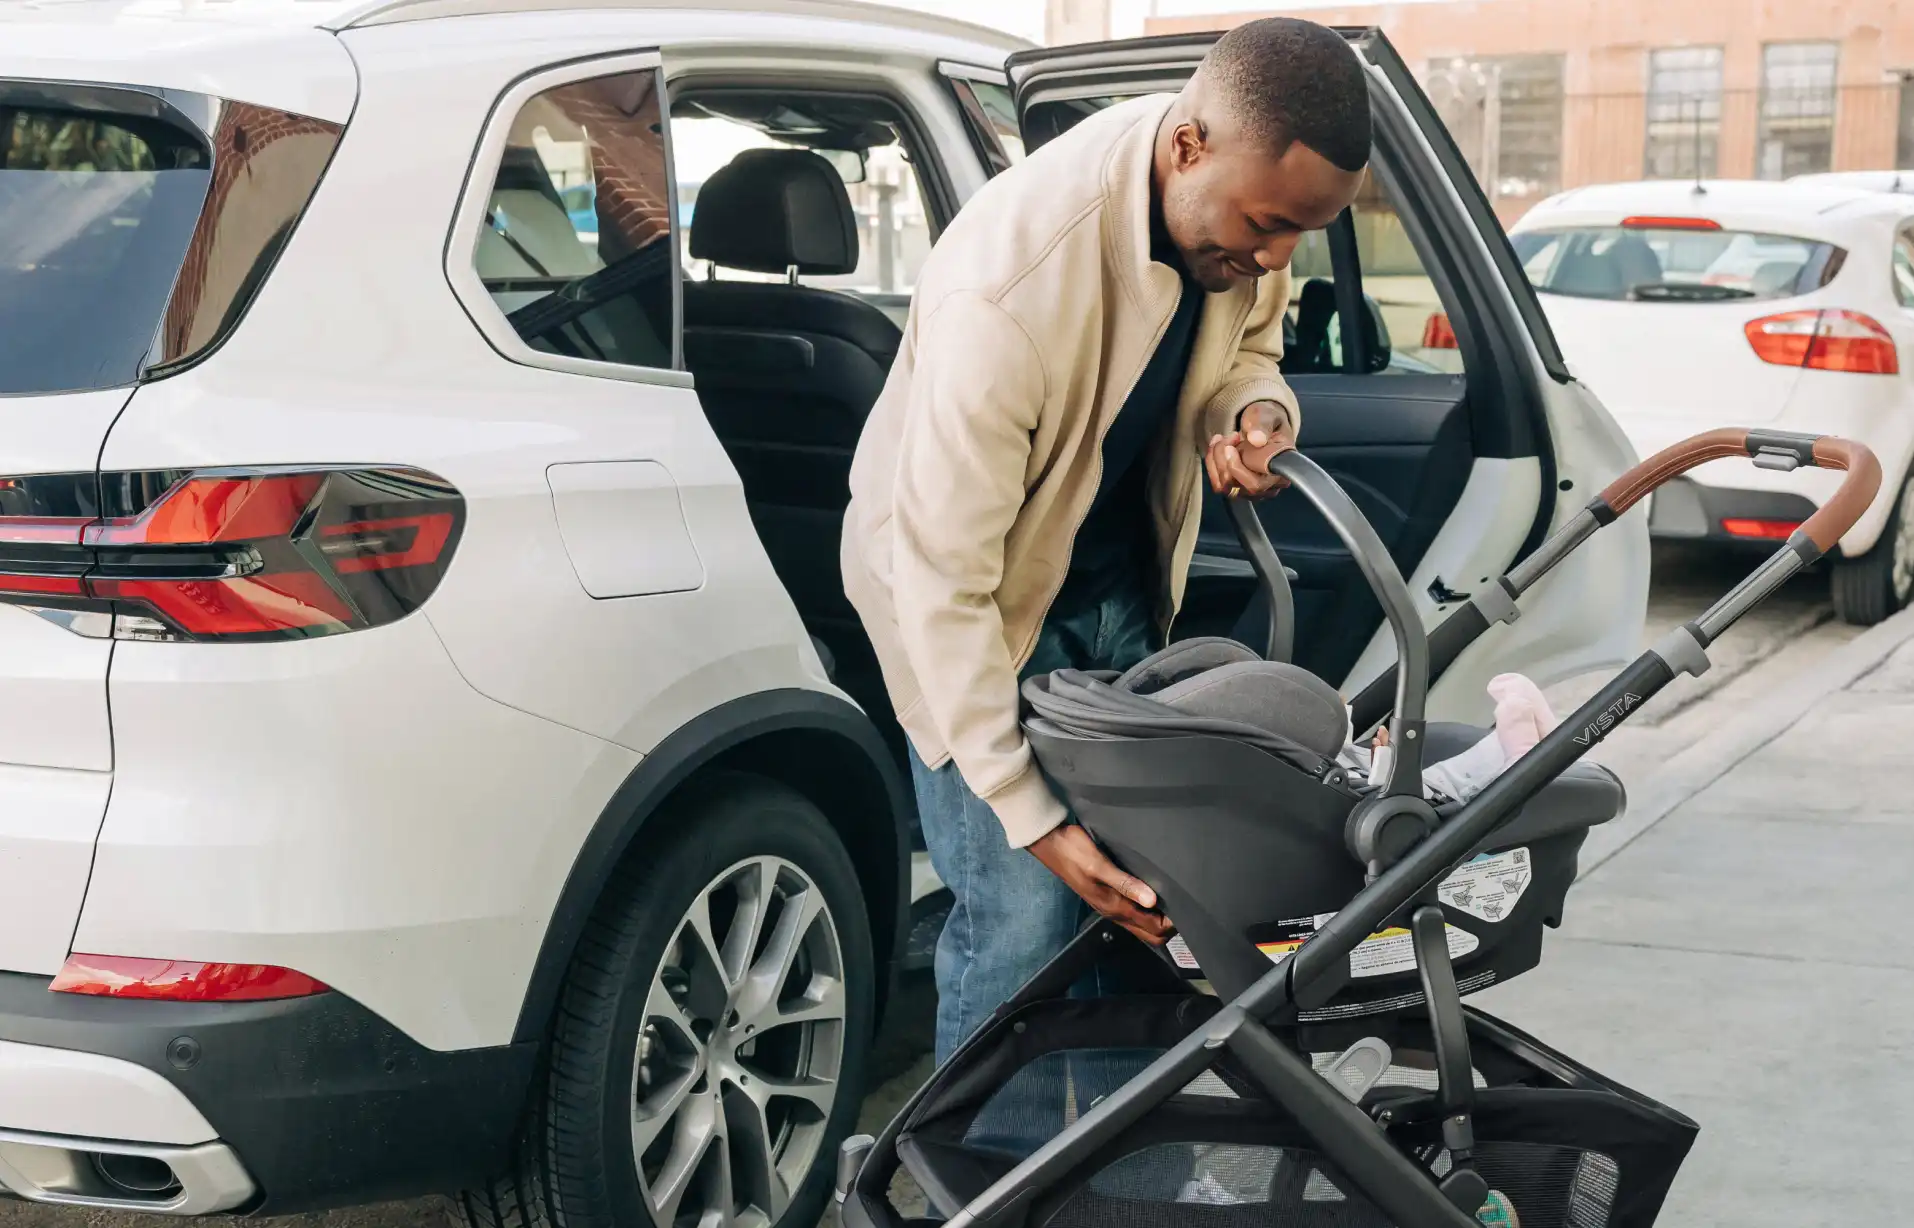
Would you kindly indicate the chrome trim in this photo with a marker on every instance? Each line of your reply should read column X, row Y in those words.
column 58, row 1170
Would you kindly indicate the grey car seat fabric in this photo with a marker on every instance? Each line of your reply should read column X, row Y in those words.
column 1208, row 686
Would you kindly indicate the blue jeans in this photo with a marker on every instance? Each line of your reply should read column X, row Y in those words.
column 1010, row 915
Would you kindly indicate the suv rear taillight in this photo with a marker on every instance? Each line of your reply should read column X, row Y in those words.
column 242, row 555
column 174, row 980
column 1827, row 340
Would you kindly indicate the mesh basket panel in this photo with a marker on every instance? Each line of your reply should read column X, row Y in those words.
column 1043, row 1097
column 1227, row 1185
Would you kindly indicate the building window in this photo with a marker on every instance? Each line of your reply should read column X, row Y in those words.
column 1506, row 112
column 1684, row 112
column 1797, row 109
column 1904, row 137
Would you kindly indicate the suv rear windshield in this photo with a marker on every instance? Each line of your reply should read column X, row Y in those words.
column 108, row 202
column 1672, row 264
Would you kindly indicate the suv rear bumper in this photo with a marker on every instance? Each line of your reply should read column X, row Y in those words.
column 323, row 1103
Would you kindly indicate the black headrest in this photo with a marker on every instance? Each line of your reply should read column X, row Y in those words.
column 769, row 209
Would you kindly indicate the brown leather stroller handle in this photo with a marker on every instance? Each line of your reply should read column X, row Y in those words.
column 1671, row 462
column 1826, row 527
column 1856, row 493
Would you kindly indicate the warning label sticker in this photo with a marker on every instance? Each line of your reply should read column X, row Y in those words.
column 1181, row 954
column 1393, row 950
column 1381, row 954
column 1490, row 886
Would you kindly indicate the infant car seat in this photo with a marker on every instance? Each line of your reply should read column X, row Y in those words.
column 1211, row 774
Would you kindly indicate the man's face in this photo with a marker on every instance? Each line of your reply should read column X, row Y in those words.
column 1235, row 211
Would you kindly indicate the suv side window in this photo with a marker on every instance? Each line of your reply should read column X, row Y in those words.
column 1904, row 267
column 575, row 247
column 1377, row 283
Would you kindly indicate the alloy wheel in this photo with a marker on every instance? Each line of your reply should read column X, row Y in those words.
column 740, row 1050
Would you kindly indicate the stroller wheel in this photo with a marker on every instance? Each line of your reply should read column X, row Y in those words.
column 708, row 1051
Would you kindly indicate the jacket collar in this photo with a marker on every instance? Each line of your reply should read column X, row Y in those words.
column 1127, row 190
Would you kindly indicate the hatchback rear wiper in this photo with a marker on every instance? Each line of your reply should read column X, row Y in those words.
column 1685, row 292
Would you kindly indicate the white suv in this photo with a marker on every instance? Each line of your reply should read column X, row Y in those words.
column 435, row 751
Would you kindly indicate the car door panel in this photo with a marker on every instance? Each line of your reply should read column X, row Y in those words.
column 1401, row 448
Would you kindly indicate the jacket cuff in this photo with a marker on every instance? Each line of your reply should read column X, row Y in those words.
column 1027, row 807
column 1229, row 402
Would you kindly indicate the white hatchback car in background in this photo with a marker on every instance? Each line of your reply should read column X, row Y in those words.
column 1781, row 305
column 435, row 749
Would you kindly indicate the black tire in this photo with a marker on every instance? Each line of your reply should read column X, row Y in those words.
column 575, row 1164
column 1868, row 589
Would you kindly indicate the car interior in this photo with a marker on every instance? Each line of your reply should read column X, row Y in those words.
column 788, row 372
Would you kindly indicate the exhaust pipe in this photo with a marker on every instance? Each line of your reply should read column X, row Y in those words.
column 153, row 1178
column 145, row 1177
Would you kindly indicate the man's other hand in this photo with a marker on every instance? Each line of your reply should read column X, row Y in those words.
column 1262, row 424
column 1074, row 857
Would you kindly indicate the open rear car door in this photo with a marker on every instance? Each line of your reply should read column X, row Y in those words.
column 1432, row 390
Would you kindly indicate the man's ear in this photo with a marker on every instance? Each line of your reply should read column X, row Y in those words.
column 1188, row 143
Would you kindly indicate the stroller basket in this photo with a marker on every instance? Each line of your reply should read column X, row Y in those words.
column 1563, row 1146
column 1332, row 1078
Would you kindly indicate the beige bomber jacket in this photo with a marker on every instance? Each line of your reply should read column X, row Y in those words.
column 1031, row 321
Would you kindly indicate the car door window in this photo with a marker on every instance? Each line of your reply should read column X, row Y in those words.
column 1904, row 267
column 575, row 246
column 1365, row 273
column 990, row 115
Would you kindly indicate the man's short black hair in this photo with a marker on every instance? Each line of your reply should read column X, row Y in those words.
column 1287, row 80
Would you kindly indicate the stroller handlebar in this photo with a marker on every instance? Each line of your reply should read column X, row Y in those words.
column 1778, row 449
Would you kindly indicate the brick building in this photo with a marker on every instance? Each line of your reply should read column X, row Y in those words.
column 1548, row 94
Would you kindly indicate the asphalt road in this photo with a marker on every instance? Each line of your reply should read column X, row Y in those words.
column 1772, row 644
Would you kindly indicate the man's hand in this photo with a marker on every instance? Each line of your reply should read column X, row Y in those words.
column 1074, row 857
column 1261, row 424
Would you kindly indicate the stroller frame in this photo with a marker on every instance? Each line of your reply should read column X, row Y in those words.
column 1406, row 851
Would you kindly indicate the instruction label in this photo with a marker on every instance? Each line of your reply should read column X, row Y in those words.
column 1381, row 954
column 1490, row 886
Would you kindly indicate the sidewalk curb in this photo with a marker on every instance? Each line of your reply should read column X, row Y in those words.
column 1718, row 753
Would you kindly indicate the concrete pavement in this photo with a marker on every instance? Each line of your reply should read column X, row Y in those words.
column 1739, row 948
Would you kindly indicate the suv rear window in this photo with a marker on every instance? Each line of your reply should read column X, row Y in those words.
column 118, row 251
column 1673, row 264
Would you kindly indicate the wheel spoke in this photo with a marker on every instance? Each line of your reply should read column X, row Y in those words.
column 758, row 997
column 697, row 1129
column 821, row 1002
column 820, row 1094
column 698, row 931
column 749, row 1142
column 756, row 886
column 658, row 1112
column 663, row 1009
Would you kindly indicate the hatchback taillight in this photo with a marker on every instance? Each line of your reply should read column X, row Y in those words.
column 244, row 555
column 1826, row 340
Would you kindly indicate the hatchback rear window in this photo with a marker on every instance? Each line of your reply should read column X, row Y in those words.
column 1673, row 264
column 119, row 252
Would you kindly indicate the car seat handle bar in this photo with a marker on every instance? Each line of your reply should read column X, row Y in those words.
column 1279, row 643
column 1495, row 602
column 1378, row 567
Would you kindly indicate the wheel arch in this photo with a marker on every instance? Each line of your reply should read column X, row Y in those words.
column 816, row 743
